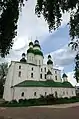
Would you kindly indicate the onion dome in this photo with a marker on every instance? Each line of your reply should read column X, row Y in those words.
column 49, row 56
column 49, row 62
column 31, row 43
column 36, row 42
column 38, row 52
column 30, row 50
column 23, row 55
column 23, row 58
column 49, row 72
column 36, row 45
column 64, row 76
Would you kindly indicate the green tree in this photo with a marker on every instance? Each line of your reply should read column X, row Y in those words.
column 51, row 10
column 76, row 74
column 3, row 73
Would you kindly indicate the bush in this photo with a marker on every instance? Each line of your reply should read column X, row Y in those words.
column 43, row 100
column 13, row 101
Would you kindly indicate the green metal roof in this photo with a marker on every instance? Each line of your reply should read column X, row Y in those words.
column 30, row 50
column 38, row 52
column 30, row 83
column 35, row 52
column 36, row 45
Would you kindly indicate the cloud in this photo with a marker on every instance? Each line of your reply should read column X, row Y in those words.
column 29, row 24
column 71, row 78
column 15, row 54
column 63, row 56
column 20, row 43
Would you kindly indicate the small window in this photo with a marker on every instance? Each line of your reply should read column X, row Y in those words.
column 41, row 69
column 63, row 93
column 32, row 68
column 31, row 75
column 40, row 76
column 22, row 94
column 55, row 72
column 45, row 69
column 36, row 61
column 19, row 67
column 55, row 77
column 45, row 93
column 45, row 76
column 39, row 62
column 67, row 92
column 19, row 74
column 56, row 94
column 72, row 92
column 34, row 93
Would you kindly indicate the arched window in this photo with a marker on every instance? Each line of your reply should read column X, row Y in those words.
column 20, row 67
column 55, row 72
column 45, row 69
column 22, row 94
column 31, row 75
column 19, row 74
column 34, row 93
column 45, row 76
column 32, row 68
column 55, row 77
column 56, row 94
column 40, row 76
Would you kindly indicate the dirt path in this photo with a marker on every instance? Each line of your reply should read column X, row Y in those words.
column 61, row 105
column 71, row 112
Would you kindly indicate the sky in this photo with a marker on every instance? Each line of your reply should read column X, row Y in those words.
column 30, row 27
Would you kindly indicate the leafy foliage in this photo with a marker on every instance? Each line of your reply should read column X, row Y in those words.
column 3, row 73
column 76, row 74
column 52, row 11
column 9, row 14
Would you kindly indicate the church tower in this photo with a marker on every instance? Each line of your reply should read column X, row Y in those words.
column 30, row 54
column 38, row 53
column 50, row 63
column 64, row 76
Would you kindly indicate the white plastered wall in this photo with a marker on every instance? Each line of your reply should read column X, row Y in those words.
column 29, row 92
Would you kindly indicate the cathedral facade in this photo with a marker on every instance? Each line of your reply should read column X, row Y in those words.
column 30, row 77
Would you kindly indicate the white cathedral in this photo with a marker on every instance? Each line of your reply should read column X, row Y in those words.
column 30, row 78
